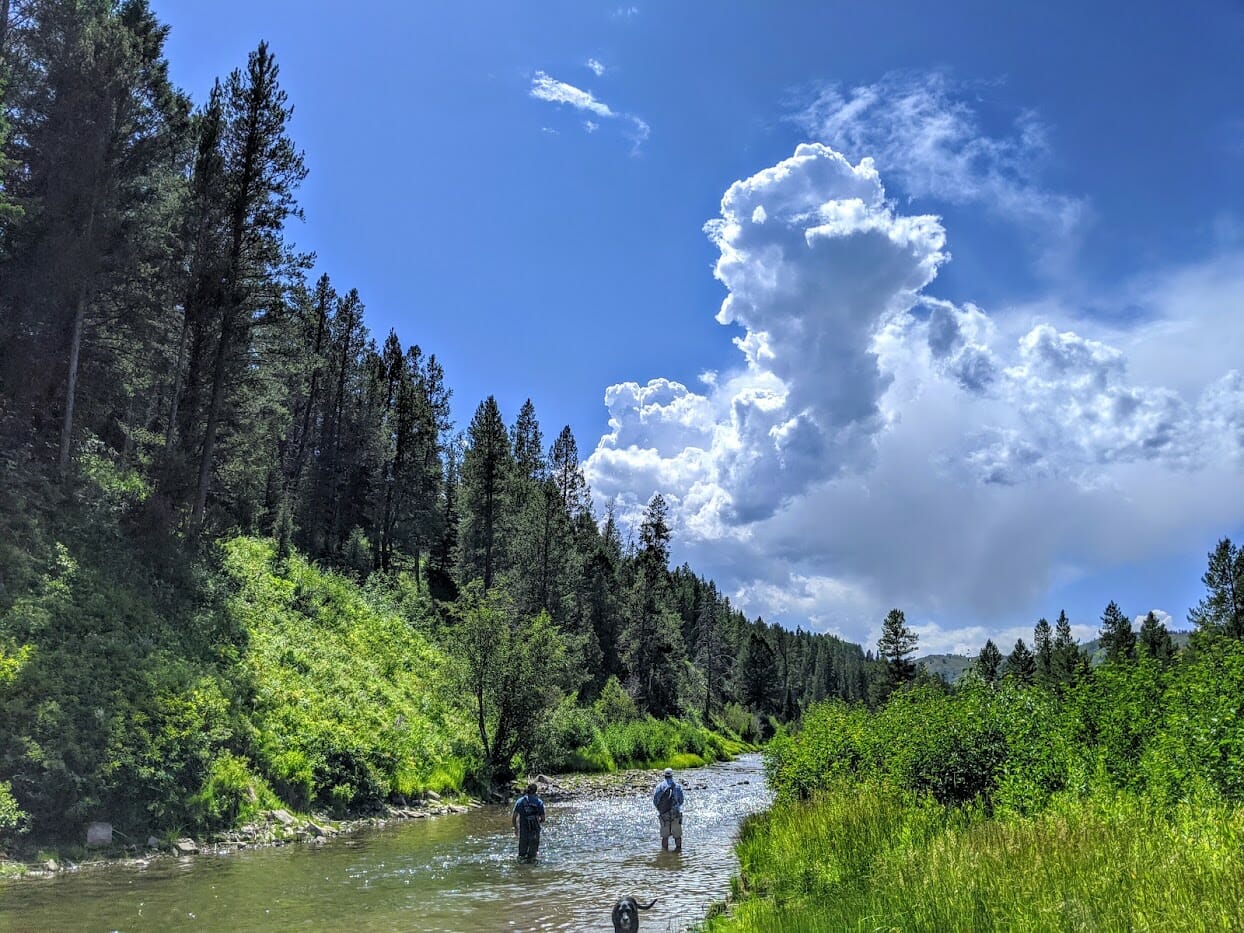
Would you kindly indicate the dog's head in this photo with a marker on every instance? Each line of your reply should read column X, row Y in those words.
column 626, row 914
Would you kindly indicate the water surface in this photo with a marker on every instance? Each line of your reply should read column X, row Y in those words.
column 453, row 873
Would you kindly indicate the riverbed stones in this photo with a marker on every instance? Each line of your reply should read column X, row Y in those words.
column 153, row 842
column 284, row 817
column 99, row 835
column 186, row 847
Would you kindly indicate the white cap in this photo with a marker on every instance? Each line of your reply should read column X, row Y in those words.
column 669, row 772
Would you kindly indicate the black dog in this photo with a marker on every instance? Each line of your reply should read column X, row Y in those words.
column 626, row 914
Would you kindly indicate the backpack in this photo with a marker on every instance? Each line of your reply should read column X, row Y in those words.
column 665, row 800
column 529, row 813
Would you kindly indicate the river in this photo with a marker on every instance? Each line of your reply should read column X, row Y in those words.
column 452, row 873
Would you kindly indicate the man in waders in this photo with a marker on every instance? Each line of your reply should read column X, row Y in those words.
column 526, row 819
column 667, row 798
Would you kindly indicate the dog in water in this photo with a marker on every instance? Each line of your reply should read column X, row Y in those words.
column 626, row 914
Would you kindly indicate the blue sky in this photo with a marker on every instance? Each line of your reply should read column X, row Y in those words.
column 984, row 376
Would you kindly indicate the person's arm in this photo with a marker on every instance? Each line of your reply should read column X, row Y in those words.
column 514, row 817
column 541, row 813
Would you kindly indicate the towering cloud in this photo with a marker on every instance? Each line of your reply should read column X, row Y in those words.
column 876, row 446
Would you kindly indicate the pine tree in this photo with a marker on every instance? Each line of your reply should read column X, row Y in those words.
column 567, row 473
column 528, row 445
column 261, row 170
column 1222, row 608
column 487, row 468
column 444, row 553
column 895, row 647
column 759, row 677
column 1043, row 639
column 601, row 604
column 1155, row 641
column 1020, row 663
column 1065, row 651
column 1117, row 637
column 712, row 652
column 989, row 662
column 652, row 639
column 94, row 149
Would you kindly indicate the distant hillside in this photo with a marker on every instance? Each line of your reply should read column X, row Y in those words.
column 950, row 667
column 1097, row 653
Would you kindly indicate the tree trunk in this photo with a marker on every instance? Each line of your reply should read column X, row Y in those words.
column 170, row 430
column 213, row 419
column 71, row 382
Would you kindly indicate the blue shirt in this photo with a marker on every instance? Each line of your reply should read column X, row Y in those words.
column 539, row 804
column 661, row 785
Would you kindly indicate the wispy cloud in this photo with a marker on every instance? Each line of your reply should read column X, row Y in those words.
column 596, row 67
column 930, row 142
column 547, row 88
column 626, row 12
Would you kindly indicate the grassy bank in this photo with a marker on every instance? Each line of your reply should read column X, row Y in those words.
column 867, row 858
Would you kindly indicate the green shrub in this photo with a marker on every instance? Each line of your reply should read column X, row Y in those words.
column 230, row 793
column 13, row 819
column 615, row 705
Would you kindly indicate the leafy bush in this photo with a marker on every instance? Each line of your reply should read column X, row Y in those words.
column 570, row 740
column 230, row 793
column 615, row 705
column 13, row 819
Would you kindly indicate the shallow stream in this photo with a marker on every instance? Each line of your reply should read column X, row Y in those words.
column 452, row 873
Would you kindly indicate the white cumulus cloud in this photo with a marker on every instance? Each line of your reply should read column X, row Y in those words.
column 875, row 446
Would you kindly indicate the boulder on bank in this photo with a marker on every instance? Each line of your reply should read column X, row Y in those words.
column 99, row 835
column 284, row 817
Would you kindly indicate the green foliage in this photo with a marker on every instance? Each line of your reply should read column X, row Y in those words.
column 513, row 668
column 13, row 819
column 105, row 716
column 350, row 704
column 651, row 742
column 231, row 793
column 737, row 720
column 615, row 705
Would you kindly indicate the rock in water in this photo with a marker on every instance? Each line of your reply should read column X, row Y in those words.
column 186, row 847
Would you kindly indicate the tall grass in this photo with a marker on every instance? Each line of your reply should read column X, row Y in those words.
column 677, row 743
column 864, row 857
